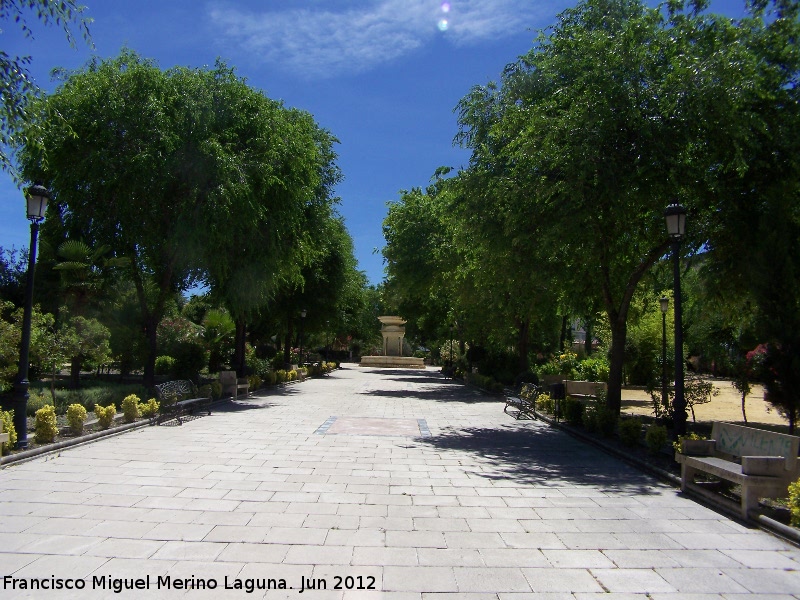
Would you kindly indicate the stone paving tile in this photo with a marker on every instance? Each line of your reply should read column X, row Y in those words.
column 486, row 507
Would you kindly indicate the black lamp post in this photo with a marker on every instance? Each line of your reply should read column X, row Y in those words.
column 675, row 215
column 664, row 308
column 302, row 322
column 37, row 197
column 327, row 337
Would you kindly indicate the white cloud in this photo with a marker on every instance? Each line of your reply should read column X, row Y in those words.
column 360, row 35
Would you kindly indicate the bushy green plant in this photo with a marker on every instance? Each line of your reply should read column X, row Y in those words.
column 130, row 407
column 599, row 418
column 149, row 409
column 271, row 378
column 565, row 364
column 595, row 368
column 254, row 381
column 105, row 415
column 281, row 376
column 76, row 417
column 676, row 445
column 630, row 430
column 38, row 400
column 165, row 365
column 292, row 375
column 794, row 503
column 544, row 403
column 46, row 426
column 573, row 411
column 7, row 417
column 655, row 438
column 216, row 390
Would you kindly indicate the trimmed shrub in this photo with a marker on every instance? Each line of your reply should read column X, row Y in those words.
column 573, row 411
column 254, row 381
column 46, row 427
column 655, row 438
column 794, row 502
column 165, row 365
column 105, row 415
column 216, row 390
column 271, row 378
column 7, row 417
column 599, row 418
column 76, row 417
column 630, row 431
column 149, row 409
column 280, row 376
column 130, row 408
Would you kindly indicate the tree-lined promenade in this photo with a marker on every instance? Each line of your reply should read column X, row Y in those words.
column 616, row 112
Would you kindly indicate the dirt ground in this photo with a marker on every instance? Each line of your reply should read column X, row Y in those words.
column 726, row 406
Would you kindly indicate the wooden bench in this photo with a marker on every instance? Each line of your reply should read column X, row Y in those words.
column 524, row 401
column 762, row 462
column 179, row 397
column 584, row 390
column 231, row 385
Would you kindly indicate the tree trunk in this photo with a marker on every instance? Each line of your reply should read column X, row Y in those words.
column 523, row 335
column 150, row 328
column 75, row 372
column 619, row 333
column 287, row 349
column 588, row 342
column 239, row 359
column 563, row 340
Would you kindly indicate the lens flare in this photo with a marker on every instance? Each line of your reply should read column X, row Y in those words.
column 445, row 7
column 443, row 25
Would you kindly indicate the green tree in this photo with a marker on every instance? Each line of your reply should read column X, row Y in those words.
column 17, row 89
column 172, row 170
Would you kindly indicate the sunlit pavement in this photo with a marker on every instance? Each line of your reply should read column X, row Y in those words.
column 367, row 483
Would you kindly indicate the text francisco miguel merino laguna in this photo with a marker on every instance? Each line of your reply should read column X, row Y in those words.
column 167, row 582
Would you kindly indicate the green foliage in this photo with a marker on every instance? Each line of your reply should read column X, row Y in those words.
column 165, row 365
column 281, row 376
column 490, row 384
column 676, row 445
column 794, row 502
column 573, row 411
column 216, row 390
column 254, row 381
column 600, row 418
column 130, row 408
column 36, row 401
column 595, row 368
column 149, row 409
column 565, row 364
column 46, row 427
column 655, row 438
column 76, row 417
column 271, row 378
column 105, row 415
column 7, row 417
column 630, row 431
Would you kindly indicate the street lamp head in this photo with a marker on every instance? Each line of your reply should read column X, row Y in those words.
column 37, row 197
column 664, row 304
column 675, row 215
column 303, row 313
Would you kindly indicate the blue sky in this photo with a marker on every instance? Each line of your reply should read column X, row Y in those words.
column 382, row 75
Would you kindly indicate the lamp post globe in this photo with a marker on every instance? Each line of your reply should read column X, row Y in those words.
column 36, row 199
column 675, row 216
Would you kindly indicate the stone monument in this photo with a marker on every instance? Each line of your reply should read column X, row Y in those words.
column 393, row 331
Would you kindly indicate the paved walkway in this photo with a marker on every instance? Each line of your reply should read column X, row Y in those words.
column 397, row 480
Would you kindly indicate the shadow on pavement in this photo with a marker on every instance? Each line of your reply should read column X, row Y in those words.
column 541, row 456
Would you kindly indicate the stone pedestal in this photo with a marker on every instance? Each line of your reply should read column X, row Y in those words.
column 393, row 331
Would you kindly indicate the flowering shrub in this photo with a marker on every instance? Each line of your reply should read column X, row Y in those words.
column 794, row 502
column 46, row 428
column 7, row 417
column 105, row 416
column 76, row 417
column 150, row 409
column 130, row 408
